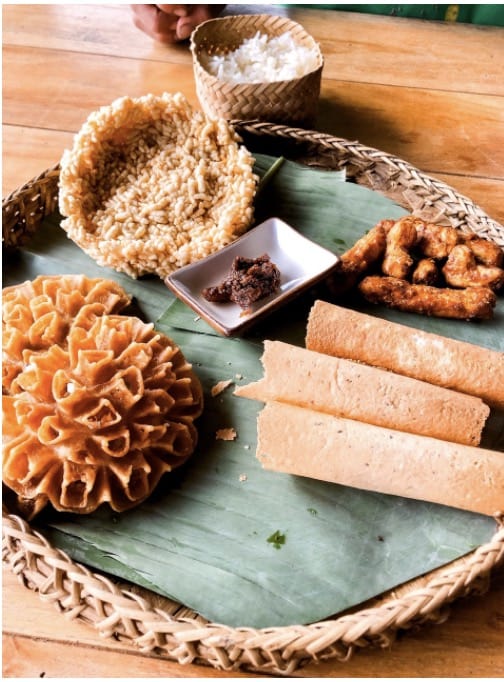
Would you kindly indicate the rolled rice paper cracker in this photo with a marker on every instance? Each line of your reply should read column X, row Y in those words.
column 442, row 361
column 349, row 389
column 303, row 442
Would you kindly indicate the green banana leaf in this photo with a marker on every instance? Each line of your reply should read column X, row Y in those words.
column 240, row 545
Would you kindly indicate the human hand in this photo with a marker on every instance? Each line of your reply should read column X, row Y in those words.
column 172, row 23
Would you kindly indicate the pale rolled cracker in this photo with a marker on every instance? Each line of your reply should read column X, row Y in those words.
column 349, row 389
column 303, row 442
column 458, row 365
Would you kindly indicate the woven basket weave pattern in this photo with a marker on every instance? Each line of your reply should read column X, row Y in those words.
column 294, row 102
column 173, row 632
column 168, row 629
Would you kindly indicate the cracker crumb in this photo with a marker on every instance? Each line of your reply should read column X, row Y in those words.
column 220, row 386
column 238, row 376
column 225, row 434
column 243, row 477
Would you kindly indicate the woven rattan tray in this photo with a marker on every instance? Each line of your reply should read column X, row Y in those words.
column 170, row 630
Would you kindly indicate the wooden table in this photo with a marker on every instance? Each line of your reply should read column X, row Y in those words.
column 430, row 93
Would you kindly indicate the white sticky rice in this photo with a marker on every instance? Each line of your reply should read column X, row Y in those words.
column 262, row 59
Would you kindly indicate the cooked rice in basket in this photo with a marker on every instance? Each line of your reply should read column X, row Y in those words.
column 263, row 59
column 151, row 185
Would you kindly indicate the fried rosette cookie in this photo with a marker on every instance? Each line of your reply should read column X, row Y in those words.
column 99, row 408
column 38, row 314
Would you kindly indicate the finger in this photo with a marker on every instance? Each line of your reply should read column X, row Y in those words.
column 164, row 23
column 177, row 10
column 200, row 13
column 185, row 27
column 156, row 24
column 197, row 15
column 143, row 13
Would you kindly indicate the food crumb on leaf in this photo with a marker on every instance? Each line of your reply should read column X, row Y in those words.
column 220, row 386
column 225, row 434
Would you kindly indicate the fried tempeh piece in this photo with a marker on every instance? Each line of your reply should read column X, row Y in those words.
column 294, row 440
column 345, row 388
column 462, row 304
column 461, row 270
column 401, row 237
column 437, row 359
column 436, row 241
column 425, row 272
column 354, row 262
column 486, row 251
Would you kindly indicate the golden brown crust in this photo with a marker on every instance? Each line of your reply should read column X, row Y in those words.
column 38, row 314
column 462, row 304
column 485, row 251
column 353, row 263
column 98, row 409
column 151, row 185
column 420, row 254
column 425, row 272
column 401, row 238
column 461, row 270
column 436, row 241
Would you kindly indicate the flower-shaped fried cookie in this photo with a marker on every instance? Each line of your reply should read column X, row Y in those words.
column 100, row 418
column 37, row 314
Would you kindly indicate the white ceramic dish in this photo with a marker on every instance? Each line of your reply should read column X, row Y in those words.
column 301, row 262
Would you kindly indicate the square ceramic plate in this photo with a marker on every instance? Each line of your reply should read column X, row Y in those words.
column 301, row 262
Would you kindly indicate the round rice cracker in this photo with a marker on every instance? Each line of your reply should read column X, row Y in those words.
column 151, row 185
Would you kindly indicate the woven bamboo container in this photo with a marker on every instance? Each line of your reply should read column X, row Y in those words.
column 168, row 629
column 293, row 102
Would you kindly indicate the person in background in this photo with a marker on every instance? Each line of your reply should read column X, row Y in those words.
column 175, row 23
column 172, row 23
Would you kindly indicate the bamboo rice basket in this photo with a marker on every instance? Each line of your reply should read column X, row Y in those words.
column 293, row 102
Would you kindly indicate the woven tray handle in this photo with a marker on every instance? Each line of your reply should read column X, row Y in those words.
column 417, row 192
column 24, row 209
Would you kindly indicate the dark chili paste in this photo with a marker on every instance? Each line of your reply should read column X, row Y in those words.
column 249, row 280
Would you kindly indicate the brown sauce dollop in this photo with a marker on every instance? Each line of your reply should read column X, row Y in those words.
column 248, row 280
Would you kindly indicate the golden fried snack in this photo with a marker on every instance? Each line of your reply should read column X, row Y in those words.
column 387, row 224
column 486, row 252
column 401, row 237
column 101, row 419
column 354, row 262
column 366, row 251
column 436, row 241
column 150, row 185
column 425, row 272
column 466, row 304
column 461, row 270
column 39, row 313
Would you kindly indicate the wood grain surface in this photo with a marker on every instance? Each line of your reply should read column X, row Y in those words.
column 429, row 92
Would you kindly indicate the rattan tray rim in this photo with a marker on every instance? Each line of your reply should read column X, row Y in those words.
column 168, row 629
